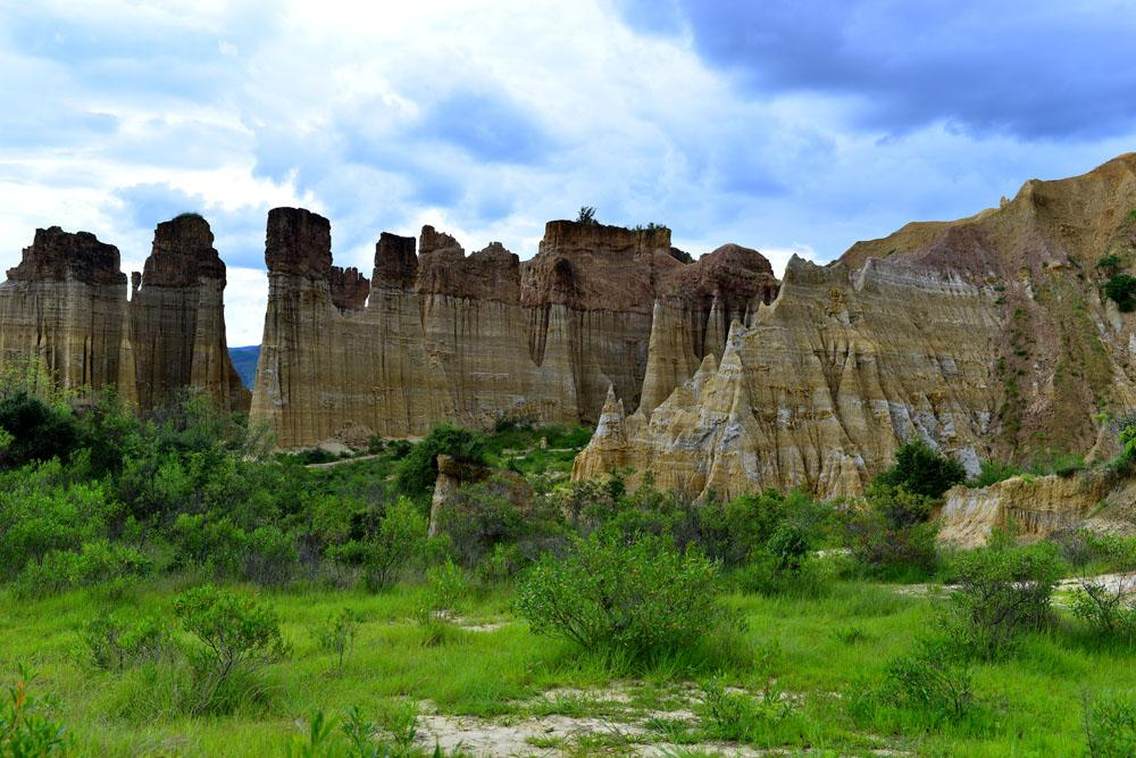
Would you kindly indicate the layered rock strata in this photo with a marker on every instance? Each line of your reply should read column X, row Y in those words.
column 472, row 339
column 1034, row 508
column 65, row 309
column 987, row 337
column 177, row 319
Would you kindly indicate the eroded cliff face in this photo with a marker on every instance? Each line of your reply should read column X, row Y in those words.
column 1038, row 507
column 446, row 336
column 65, row 306
column 177, row 319
column 987, row 337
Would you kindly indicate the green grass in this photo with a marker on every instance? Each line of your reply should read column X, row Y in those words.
column 823, row 652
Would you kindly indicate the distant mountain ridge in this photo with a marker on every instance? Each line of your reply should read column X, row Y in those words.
column 244, row 361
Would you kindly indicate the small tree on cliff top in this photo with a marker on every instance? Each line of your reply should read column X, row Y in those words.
column 587, row 215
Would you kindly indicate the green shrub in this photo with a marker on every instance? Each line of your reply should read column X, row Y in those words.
column 270, row 557
column 1092, row 552
column 1002, row 591
column 446, row 586
column 95, row 563
column 24, row 730
column 739, row 717
column 993, row 472
column 337, row 636
column 890, row 538
column 36, row 430
column 736, row 531
column 114, row 644
column 1110, row 725
column 215, row 544
column 1106, row 611
column 934, row 680
column 234, row 635
column 922, row 470
column 419, row 470
column 1121, row 289
column 1109, row 264
column 479, row 516
column 766, row 575
column 398, row 543
column 636, row 601
column 40, row 512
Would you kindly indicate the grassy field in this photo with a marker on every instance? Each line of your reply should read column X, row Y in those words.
column 822, row 654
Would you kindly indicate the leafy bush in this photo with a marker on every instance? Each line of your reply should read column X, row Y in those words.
column 735, row 530
column 419, row 469
column 1110, row 725
column 1003, row 591
column 398, row 542
column 36, row 430
column 638, row 600
column 889, row 537
column 24, row 730
column 479, row 517
column 1109, row 264
column 739, row 717
column 270, row 556
column 235, row 635
column 40, row 513
column 1096, row 553
column 114, row 644
column 95, row 563
column 934, row 680
column 993, row 472
column 923, row 471
column 587, row 215
column 766, row 575
column 1106, row 611
column 1121, row 289
column 337, row 636
column 446, row 587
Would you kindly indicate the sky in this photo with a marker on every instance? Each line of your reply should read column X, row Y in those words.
column 791, row 126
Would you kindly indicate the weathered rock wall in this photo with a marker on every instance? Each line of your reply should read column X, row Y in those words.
column 65, row 306
column 446, row 336
column 1036, row 507
column 987, row 337
column 177, row 319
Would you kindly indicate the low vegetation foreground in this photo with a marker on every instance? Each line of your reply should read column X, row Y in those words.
column 171, row 588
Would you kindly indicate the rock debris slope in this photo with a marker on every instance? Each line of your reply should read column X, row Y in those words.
column 987, row 337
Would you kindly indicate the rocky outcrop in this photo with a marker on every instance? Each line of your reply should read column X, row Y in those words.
column 446, row 336
column 987, row 337
column 177, row 319
column 693, row 313
column 65, row 308
column 448, row 502
column 1036, row 507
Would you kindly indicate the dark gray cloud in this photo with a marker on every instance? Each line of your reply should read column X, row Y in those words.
column 1042, row 69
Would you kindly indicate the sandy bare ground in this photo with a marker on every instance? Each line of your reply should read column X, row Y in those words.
column 1123, row 582
column 581, row 721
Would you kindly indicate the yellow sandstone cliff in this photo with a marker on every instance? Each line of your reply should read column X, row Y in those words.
column 986, row 337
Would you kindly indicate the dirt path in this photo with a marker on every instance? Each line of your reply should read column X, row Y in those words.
column 344, row 461
column 1123, row 582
